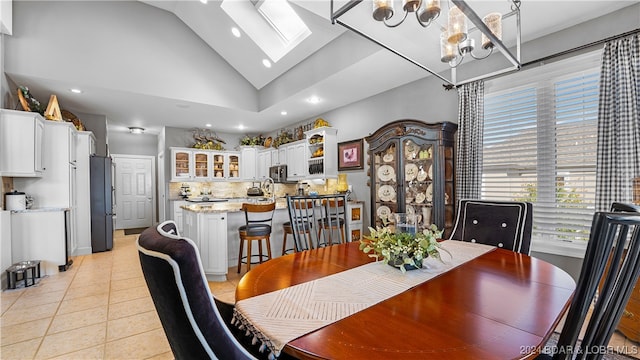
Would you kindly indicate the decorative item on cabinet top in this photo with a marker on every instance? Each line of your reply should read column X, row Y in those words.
column 206, row 139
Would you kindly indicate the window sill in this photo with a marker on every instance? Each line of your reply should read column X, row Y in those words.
column 556, row 247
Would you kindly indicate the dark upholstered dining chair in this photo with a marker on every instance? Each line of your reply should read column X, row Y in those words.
column 498, row 223
column 196, row 324
column 611, row 267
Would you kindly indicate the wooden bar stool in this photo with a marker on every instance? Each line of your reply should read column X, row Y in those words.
column 258, row 219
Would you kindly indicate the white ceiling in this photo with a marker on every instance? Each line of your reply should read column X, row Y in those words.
column 117, row 66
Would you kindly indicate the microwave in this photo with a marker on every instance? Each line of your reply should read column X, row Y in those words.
column 278, row 173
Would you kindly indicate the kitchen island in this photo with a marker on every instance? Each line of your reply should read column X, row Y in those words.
column 214, row 229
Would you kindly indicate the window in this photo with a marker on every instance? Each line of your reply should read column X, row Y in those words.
column 540, row 135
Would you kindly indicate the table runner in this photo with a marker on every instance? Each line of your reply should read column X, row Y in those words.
column 280, row 316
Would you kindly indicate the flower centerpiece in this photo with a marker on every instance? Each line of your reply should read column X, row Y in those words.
column 403, row 250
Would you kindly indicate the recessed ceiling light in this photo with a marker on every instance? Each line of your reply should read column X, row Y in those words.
column 313, row 100
column 207, row 125
column 266, row 63
column 283, row 112
column 76, row 91
column 241, row 127
column 204, row 1
column 182, row 106
column 236, row 32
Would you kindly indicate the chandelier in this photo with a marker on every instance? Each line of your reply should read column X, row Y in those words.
column 455, row 36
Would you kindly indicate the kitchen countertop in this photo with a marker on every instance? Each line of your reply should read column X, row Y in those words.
column 47, row 209
column 226, row 207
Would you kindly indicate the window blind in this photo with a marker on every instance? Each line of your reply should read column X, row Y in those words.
column 540, row 145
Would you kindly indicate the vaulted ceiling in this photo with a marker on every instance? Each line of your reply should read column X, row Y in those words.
column 176, row 63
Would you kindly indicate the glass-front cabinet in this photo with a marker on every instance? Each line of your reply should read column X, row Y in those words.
column 204, row 165
column 181, row 164
column 411, row 171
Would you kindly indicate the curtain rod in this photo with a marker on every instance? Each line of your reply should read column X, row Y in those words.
column 559, row 54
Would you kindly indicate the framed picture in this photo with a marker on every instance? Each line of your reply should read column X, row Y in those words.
column 350, row 155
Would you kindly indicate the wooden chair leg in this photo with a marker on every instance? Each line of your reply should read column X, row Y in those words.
column 342, row 233
column 268, row 239
column 260, row 251
column 240, row 254
column 249, row 254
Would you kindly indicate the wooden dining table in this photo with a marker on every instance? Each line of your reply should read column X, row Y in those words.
column 500, row 305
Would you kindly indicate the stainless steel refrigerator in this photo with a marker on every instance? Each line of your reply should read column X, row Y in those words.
column 101, row 203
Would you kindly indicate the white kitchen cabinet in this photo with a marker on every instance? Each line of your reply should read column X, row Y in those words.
column 322, row 153
column 181, row 164
column 226, row 166
column 209, row 232
column 178, row 213
column 201, row 165
column 249, row 163
column 297, row 160
column 264, row 163
column 275, row 156
column 85, row 147
column 21, row 150
column 282, row 155
column 5, row 245
column 39, row 235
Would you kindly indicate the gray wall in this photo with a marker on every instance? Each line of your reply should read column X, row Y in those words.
column 133, row 144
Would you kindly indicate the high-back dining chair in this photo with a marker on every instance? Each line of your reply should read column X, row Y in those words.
column 195, row 323
column 308, row 212
column 624, row 207
column 334, row 219
column 611, row 268
column 505, row 224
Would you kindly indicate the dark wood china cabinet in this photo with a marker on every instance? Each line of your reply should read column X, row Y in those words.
column 411, row 170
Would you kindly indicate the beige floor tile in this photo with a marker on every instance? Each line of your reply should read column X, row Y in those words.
column 96, row 352
column 164, row 356
column 83, row 303
column 18, row 315
column 33, row 300
column 83, row 291
column 228, row 297
column 126, row 274
column 71, row 341
column 25, row 331
column 132, row 325
column 129, row 294
column 139, row 346
column 117, row 285
column 131, row 307
column 8, row 298
column 22, row 350
column 222, row 287
column 78, row 319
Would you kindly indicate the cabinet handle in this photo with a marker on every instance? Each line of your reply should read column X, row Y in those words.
column 628, row 314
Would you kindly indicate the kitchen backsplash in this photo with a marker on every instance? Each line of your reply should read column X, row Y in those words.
column 239, row 189
column 7, row 186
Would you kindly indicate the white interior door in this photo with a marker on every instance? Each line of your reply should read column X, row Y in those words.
column 135, row 191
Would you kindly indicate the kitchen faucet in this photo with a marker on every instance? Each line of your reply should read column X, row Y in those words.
column 270, row 189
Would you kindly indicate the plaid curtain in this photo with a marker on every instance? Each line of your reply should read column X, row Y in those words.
column 618, row 159
column 470, row 128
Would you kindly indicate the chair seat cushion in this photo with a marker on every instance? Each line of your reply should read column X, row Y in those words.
column 331, row 222
column 255, row 230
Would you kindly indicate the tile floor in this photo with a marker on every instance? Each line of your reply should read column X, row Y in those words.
column 99, row 309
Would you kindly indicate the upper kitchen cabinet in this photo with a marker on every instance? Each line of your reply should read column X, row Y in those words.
column 21, row 136
column 322, row 153
column 265, row 161
column 296, row 160
column 181, row 164
column 248, row 165
column 226, row 166
column 411, row 171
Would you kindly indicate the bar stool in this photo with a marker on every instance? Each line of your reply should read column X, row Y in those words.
column 258, row 219
column 287, row 230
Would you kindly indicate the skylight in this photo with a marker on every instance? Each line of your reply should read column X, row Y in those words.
column 272, row 24
column 282, row 18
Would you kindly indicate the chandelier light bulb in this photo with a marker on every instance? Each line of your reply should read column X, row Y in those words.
column 429, row 10
column 457, row 27
column 448, row 51
column 494, row 23
column 382, row 9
